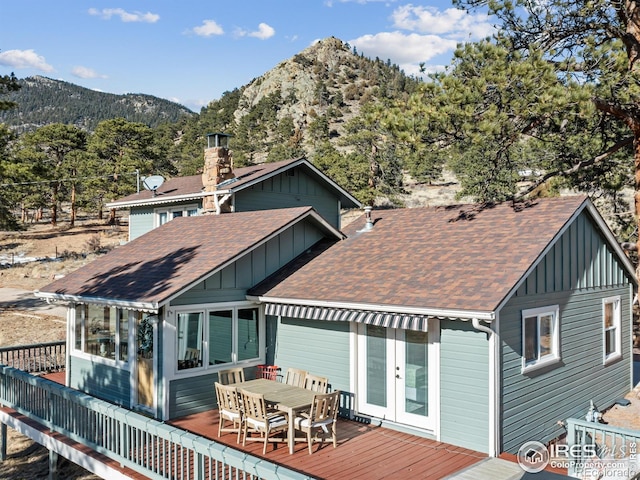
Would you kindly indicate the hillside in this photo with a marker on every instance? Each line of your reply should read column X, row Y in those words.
column 43, row 100
column 303, row 100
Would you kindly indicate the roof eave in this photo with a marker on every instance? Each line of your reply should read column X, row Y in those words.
column 158, row 200
column 151, row 307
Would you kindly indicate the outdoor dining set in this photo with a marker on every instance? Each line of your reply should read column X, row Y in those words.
column 275, row 409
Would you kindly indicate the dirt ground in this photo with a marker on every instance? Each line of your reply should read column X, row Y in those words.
column 66, row 249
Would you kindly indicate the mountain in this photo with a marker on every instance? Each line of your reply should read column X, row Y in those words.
column 303, row 100
column 43, row 100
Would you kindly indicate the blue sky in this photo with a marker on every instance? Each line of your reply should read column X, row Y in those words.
column 192, row 51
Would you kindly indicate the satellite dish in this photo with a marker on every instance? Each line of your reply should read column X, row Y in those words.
column 153, row 182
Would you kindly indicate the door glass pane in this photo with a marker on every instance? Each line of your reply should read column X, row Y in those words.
column 248, row 334
column 376, row 366
column 220, row 337
column 416, row 373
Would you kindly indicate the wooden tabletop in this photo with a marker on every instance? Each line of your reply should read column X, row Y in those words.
column 286, row 397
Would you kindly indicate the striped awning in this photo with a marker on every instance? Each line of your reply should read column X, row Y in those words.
column 378, row 318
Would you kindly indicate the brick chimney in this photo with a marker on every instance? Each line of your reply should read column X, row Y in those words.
column 218, row 167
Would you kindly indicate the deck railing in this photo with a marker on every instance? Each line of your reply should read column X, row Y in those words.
column 598, row 450
column 147, row 446
column 35, row 358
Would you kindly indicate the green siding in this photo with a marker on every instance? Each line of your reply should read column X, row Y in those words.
column 232, row 282
column 579, row 271
column 102, row 381
column 321, row 348
column 464, row 385
column 141, row 221
column 192, row 395
column 294, row 188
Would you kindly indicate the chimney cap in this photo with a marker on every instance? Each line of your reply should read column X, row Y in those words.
column 219, row 139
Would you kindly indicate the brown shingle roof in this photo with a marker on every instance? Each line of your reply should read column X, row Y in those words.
column 159, row 264
column 176, row 189
column 455, row 258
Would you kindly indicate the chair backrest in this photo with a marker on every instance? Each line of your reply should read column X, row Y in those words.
column 325, row 405
column 228, row 398
column 316, row 383
column 231, row 375
column 254, row 408
column 192, row 354
column 295, row 377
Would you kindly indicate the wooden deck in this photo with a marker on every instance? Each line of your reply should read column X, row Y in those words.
column 364, row 452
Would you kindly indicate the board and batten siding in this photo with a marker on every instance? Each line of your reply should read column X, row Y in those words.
column 232, row 282
column 319, row 347
column 577, row 273
column 293, row 188
column 106, row 382
column 464, row 385
column 141, row 221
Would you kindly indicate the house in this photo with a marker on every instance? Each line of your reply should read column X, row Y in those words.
column 223, row 188
column 481, row 326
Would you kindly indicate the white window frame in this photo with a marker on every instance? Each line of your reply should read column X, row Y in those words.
column 616, row 328
column 82, row 353
column 205, row 310
column 554, row 356
column 169, row 211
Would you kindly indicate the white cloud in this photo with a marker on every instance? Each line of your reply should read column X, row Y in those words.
column 401, row 48
column 208, row 28
column 451, row 22
column 125, row 16
column 85, row 72
column 24, row 59
column 264, row 31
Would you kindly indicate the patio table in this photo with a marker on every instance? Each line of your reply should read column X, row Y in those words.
column 283, row 397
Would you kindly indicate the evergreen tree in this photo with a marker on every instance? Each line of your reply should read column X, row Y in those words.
column 8, row 170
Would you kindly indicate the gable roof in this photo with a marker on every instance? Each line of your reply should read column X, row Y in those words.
column 456, row 261
column 154, row 268
column 181, row 189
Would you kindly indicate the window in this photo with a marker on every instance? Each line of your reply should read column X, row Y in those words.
column 165, row 215
column 540, row 337
column 102, row 331
column 228, row 336
column 611, row 329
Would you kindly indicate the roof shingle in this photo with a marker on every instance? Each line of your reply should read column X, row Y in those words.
column 157, row 265
column 461, row 257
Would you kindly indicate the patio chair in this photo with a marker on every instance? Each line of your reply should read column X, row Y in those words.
column 316, row 383
column 322, row 416
column 229, row 408
column 231, row 375
column 295, row 377
column 257, row 419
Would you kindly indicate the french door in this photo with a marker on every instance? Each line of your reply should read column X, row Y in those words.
column 397, row 375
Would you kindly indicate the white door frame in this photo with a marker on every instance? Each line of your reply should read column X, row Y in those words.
column 394, row 346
